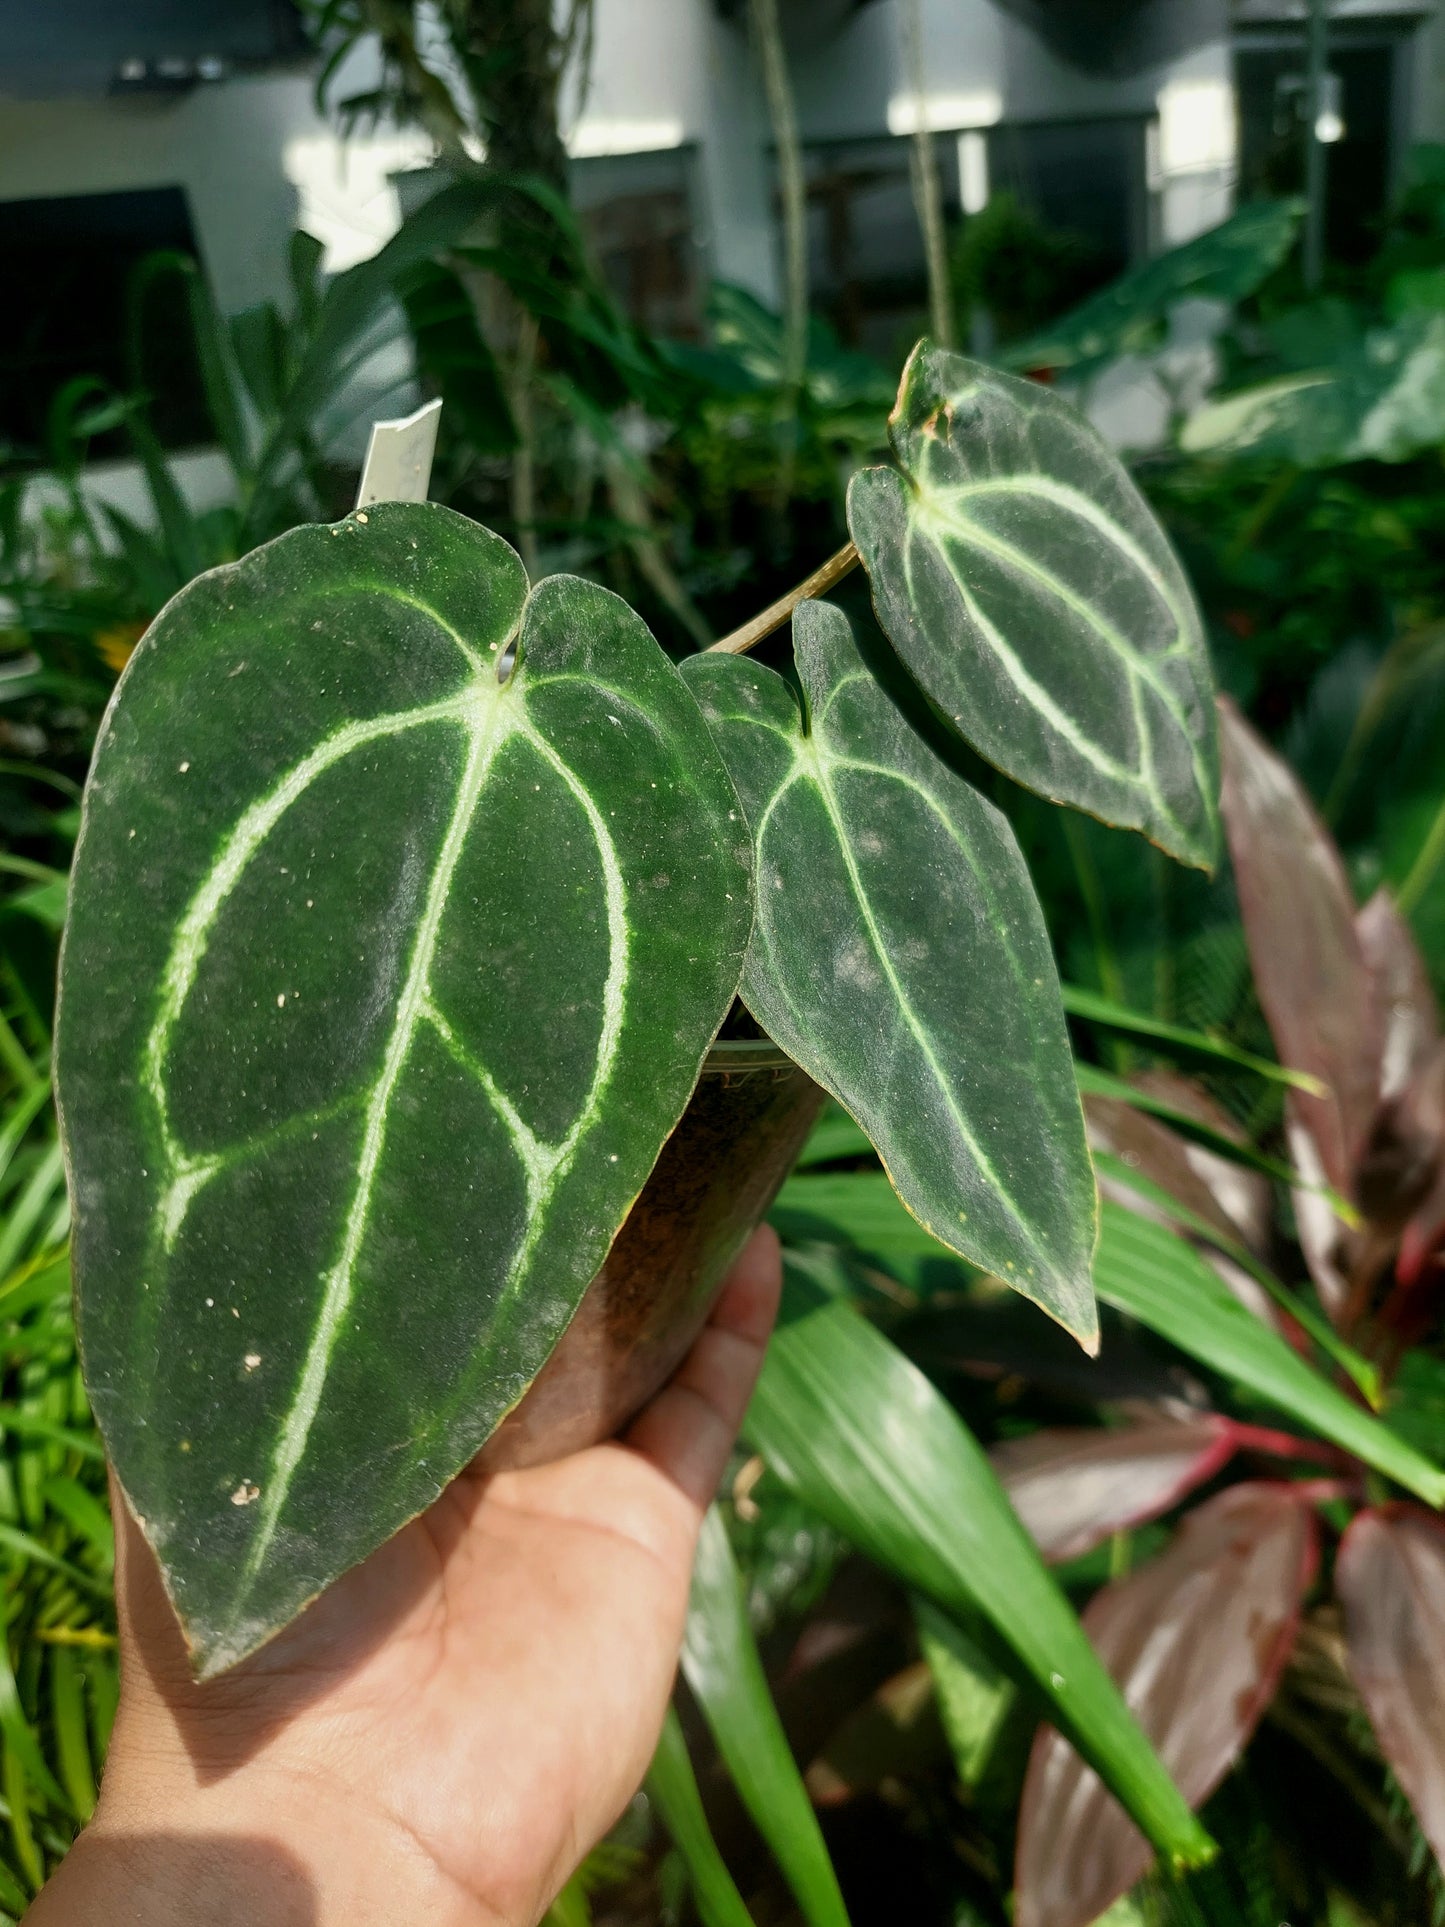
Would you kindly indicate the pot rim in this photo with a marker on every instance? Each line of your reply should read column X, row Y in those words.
column 733, row 1054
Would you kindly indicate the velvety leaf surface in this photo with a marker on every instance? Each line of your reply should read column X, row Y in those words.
column 1196, row 1639
column 1075, row 1486
column 863, row 1437
column 899, row 955
column 1390, row 1577
column 1309, row 964
column 384, row 983
column 721, row 1664
column 1028, row 587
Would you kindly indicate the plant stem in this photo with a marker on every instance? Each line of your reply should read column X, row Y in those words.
column 768, row 35
column 777, row 613
column 927, row 198
column 524, row 458
column 1316, row 57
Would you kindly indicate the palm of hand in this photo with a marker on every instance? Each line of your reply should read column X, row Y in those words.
column 488, row 1687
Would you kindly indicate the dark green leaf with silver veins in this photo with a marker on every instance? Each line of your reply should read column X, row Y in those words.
column 385, row 981
column 899, row 955
column 1027, row 586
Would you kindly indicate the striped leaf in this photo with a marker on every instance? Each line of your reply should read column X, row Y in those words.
column 900, row 956
column 1030, row 590
column 385, row 980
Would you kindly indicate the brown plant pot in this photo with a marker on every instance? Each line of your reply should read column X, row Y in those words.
column 714, row 1179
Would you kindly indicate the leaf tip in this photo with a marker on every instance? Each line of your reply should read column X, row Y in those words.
column 1197, row 1849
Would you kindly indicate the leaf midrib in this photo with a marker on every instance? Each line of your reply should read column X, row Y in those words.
column 812, row 762
column 941, row 503
column 489, row 730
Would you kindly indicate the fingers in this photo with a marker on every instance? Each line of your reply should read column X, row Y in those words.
column 689, row 1428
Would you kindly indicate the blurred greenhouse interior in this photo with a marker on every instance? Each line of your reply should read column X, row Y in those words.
column 663, row 262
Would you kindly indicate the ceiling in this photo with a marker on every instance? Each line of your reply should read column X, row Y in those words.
column 1119, row 36
column 53, row 47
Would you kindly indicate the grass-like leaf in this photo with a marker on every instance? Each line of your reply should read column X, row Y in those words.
column 721, row 1664
column 863, row 1438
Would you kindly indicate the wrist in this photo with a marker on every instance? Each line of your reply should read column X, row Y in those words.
column 255, row 1848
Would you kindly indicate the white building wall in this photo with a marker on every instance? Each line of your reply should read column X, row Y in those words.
column 255, row 158
column 224, row 144
column 667, row 73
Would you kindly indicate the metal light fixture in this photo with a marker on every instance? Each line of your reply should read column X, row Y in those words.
column 1329, row 116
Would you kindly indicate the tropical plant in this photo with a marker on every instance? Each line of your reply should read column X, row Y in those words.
column 403, row 886
column 1227, row 1622
column 865, row 1425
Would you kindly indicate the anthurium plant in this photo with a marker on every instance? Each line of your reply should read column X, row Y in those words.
column 1305, row 1575
column 411, row 898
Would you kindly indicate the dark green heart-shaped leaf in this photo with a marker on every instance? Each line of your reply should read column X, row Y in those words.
column 900, row 956
column 1028, row 587
column 384, row 982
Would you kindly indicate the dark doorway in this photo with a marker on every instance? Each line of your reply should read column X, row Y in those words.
column 1270, row 80
column 72, row 262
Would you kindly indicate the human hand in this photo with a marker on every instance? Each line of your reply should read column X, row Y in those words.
column 450, row 1728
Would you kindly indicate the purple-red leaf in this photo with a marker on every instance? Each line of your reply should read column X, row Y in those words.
column 1149, row 1147
column 1390, row 1576
column 1074, row 1486
column 1242, row 1200
column 1403, row 995
column 1405, row 1158
column 1197, row 1639
column 1309, row 962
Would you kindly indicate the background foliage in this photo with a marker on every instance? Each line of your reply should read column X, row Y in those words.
column 1305, row 497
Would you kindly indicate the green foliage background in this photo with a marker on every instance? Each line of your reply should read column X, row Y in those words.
column 1322, row 577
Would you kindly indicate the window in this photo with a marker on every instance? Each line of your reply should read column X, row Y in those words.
column 866, row 261
column 71, row 261
column 1084, row 178
column 1270, row 76
column 636, row 211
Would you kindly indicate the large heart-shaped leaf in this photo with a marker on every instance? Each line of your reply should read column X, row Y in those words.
column 900, row 956
column 1029, row 589
column 385, row 981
